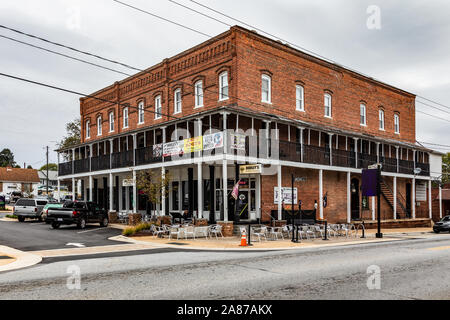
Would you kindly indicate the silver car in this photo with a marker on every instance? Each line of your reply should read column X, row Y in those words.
column 29, row 208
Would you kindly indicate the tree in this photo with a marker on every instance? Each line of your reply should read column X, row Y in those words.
column 73, row 136
column 51, row 167
column 7, row 158
column 153, row 185
column 446, row 168
column 29, row 167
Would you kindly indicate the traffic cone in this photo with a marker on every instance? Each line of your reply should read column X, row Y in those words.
column 243, row 240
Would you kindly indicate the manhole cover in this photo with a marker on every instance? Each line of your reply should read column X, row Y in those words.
column 177, row 243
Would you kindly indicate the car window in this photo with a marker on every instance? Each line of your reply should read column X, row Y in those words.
column 25, row 203
column 447, row 218
column 74, row 205
column 41, row 202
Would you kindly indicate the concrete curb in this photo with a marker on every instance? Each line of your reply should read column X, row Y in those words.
column 23, row 259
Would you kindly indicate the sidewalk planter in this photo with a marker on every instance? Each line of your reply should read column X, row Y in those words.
column 134, row 219
column 201, row 222
column 113, row 217
column 280, row 223
column 227, row 228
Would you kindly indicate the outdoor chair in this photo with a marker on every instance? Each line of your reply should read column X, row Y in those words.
column 202, row 231
column 260, row 233
column 215, row 230
column 308, row 232
column 287, row 229
column 189, row 231
column 157, row 231
column 275, row 232
column 123, row 217
column 175, row 231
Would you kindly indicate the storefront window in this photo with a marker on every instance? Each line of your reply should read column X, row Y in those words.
column 206, row 194
column 175, row 197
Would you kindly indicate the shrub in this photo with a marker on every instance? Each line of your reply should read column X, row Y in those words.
column 130, row 231
column 11, row 216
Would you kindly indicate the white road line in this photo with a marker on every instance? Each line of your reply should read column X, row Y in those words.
column 90, row 230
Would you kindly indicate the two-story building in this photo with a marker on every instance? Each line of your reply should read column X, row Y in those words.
column 243, row 107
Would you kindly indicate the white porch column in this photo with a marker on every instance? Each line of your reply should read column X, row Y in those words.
column 413, row 198
column 199, row 190
column 225, row 189
column 279, row 192
column 163, row 191
column 134, row 148
column 398, row 160
column 356, row 152
column 59, row 189
column 225, row 134
column 373, row 208
column 440, row 201
column 395, row 197
column 301, row 143
column 331, row 147
column 349, row 199
column 90, row 188
column 134, row 192
column 120, row 194
column 378, row 152
column 74, row 192
column 321, row 193
column 111, row 193
column 430, row 207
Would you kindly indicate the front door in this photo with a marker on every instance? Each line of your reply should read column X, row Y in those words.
column 243, row 203
column 355, row 199
column 408, row 199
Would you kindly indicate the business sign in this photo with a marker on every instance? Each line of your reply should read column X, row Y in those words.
column 157, row 150
column 213, row 141
column 193, row 144
column 250, row 169
column 237, row 141
column 421, row 191
column 286, row 195
column 173, row 148
column 127, row 183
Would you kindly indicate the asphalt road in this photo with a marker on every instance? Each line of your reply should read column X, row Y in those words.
column 32, row 235
column 409, row 269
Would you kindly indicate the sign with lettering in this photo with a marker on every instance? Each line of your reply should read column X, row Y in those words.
column 157, row 150
column 237, row 141
column 127, row 183
column 213, row 141
column 193, row 144
column 250, row 169
column 286, row 195
column 174, row 148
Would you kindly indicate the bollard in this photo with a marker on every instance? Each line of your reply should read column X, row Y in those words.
column 326, row 231
column 363, row 230
column 249, row 233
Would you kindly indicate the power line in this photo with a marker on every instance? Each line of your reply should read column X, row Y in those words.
column 64, row 55
column 430, row 115
column 67, row 47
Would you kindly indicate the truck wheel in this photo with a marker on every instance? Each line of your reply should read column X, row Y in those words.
column 21, row 219
column 81, row 223
column 55, row 225
column 104, row 222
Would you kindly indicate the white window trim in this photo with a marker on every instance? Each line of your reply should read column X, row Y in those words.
column 99, row 126
column 125, row 118
column 331, row 106
column 221, row 89
column 302, row 107
column 365, row 115
column 384, row 124
column 158, row 116
column 141, row 104
column 269, row 93
column 397, row 117
column 175, row 102
column 197, row 105
column 88, row 129
column 111, row 117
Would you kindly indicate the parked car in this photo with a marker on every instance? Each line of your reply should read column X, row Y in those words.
column 16, row 195
column 29, row 208
column 8, row 198
column 77, row 212
column 49, row 205
column 443, row 225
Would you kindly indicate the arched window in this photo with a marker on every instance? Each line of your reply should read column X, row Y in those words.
column 158, row 107
column 266, row 89
column 111, row 122
column 328, row 106
column 381, row 118
column 141, row 112
column 362, row 114
column 397, row 123
column 199, row 94
column 299, row 98
column 223, row 86
column 99, row 125
column 125, row 118
column 177, row 101
column 88, row 129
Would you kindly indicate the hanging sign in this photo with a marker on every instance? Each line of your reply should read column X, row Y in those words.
column 193, row 144
column 127, row 183
column 237, row 141
column 173, row 148
column 157, row 150
column 286, row 194
column 250, row 169
column 213, row 141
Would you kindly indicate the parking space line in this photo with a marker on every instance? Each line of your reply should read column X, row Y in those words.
column 90, row 230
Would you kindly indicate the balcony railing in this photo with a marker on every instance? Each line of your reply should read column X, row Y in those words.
column 290, row 151
column 316, row 155
column 101, row 162
column 65, row 169
column 365, row 160
column 146, row 156
column 425, row 168
column 81, row 166
column 406, row 166
column 122, row 159
column 343, row 158
column 388, row 164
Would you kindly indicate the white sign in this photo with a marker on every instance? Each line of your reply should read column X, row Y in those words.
column 286, row 195
column 237, row 141
column 213, row 141
column 421, row 191
column 173, row 148
column 250, row 169
column 127, row 183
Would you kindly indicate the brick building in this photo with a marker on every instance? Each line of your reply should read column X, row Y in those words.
column 210, row 113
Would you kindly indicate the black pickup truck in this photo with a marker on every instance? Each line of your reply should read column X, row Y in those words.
column 77, row 212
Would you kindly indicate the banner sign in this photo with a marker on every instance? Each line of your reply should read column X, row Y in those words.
column 369, row 182
column 173, row 148
column 286, row 194
column 250, row 169
column 157, row 150
column 193, row 144
column 213, row 141
column 237, row 141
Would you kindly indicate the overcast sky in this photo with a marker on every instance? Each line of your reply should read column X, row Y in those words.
column 410, row 51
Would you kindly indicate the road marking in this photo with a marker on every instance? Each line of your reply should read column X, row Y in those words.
column 439, row 248
column 90, row 230
column 79, row 245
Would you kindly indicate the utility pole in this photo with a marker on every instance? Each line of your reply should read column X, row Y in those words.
column 47, row 171
column 379, row 234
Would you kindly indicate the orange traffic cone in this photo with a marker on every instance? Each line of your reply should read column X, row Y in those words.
column 243, row 240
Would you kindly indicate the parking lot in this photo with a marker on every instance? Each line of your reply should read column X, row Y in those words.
column 33, row 235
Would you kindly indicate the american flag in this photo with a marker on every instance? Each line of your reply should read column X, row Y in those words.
column 235, row 191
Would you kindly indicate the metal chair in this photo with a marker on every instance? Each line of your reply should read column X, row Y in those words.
column 275, row 232
column 215, row 230
column 189, row 231
column 260, row 233
column 175, row 231
column 202, row 231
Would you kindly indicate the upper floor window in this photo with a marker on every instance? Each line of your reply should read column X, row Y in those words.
column 362, row 114
column 223, row 86
column 88, row 129
column 397, row 123
column 111, row 122
column 327, row 103
column 158, row 107
column 299, row 98
column 125, row 118
column 141, row 112
column 177, row 101
column 199, row 94
column 381, row 119
column 99, row 125
column 265, row 88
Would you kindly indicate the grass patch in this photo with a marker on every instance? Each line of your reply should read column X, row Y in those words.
column 130, row 231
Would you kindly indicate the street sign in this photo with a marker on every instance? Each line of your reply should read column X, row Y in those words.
column 299, row 179
column 375, row 166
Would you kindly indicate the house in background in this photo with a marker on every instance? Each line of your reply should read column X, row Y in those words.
column 17, row 179
column 52, row 178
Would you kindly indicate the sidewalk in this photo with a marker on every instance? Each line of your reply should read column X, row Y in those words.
column 16, row 259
